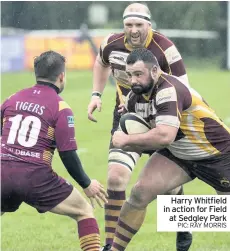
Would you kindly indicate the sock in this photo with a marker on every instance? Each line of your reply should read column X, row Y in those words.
column 183, row 239
column 130, row 221
column 89, row 235
column 112, row 213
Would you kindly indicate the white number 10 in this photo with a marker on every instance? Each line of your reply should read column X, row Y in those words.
column 22, row 127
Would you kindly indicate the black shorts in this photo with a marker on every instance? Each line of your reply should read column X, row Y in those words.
column 214, row 171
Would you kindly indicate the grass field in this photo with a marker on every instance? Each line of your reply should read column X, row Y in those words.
column 26, row 230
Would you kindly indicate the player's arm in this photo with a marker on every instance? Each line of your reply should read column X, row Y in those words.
column 66, row 145
column 74, row 167
column 92, row 188
column 101, row 73
column 156, row 138
column 173, row 63
column 165, row 132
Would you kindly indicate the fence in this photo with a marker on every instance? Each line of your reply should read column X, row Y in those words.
column 18, row 51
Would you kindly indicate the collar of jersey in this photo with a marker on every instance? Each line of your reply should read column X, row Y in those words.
column 49, row 84
column 147, row 42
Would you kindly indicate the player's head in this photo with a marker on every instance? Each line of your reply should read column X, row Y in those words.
column 136, row 19
column 50, row 67
column 143, row 70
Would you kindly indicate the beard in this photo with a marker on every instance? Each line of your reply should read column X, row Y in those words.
column 140, row 89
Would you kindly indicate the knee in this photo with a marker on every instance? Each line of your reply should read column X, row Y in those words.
column 118, row 177
column 141, row 195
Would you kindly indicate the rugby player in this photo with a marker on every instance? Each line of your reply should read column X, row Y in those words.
column 35, row 121
column 112, row 57
column 190, row 139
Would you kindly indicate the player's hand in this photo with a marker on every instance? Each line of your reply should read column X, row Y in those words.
column 95, row 191
column 121, row 108
column 120, row 139
column 95, row 103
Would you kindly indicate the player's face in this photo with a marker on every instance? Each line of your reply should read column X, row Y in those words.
column 136, row 31
column 140, row 77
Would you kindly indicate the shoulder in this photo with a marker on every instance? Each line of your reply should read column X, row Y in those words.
column 162, row 40
column 168, row 47
column 14, row 96
column 62, row 104
column 166, row 91
column 111, row 39
column 64, row 114
column 171, row 89
column 175, row 82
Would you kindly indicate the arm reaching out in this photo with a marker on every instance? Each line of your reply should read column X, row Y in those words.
column 101, row 74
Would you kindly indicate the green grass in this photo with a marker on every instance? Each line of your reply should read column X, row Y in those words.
column 28, row 230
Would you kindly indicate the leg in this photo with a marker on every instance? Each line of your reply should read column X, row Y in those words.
column 76, row 207
column 158, row 176
column 120, row 169
column 49, row 192
column 13, row 186
column 183, row 239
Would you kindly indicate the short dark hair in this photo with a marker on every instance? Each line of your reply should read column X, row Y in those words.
column 49, row 65
column 142, row 55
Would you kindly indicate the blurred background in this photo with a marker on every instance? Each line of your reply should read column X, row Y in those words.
column 201, row 30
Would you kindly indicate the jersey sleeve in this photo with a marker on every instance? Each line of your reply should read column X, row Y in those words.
column 64, row 129
column 103, row 50
column 173, row 63
column 168, row 107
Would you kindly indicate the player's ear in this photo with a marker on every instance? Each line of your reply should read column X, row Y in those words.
column 153, row 72
column 62, row 77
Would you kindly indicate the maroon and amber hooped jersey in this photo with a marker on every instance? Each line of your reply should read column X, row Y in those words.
column 201, row 133
column 115, row 50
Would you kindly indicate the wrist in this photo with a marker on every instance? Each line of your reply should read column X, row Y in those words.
column 129, row 139
column 86, row 184
column 96, row 94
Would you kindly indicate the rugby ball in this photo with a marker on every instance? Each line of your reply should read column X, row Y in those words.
column 132, row 123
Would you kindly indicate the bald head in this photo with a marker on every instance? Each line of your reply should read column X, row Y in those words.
column 137, row 24
column 137, row 7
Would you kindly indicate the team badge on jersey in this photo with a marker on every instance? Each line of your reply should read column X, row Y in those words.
column 70, row 120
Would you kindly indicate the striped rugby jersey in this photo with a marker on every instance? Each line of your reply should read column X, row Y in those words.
column 114, row 51
column 201, row 132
